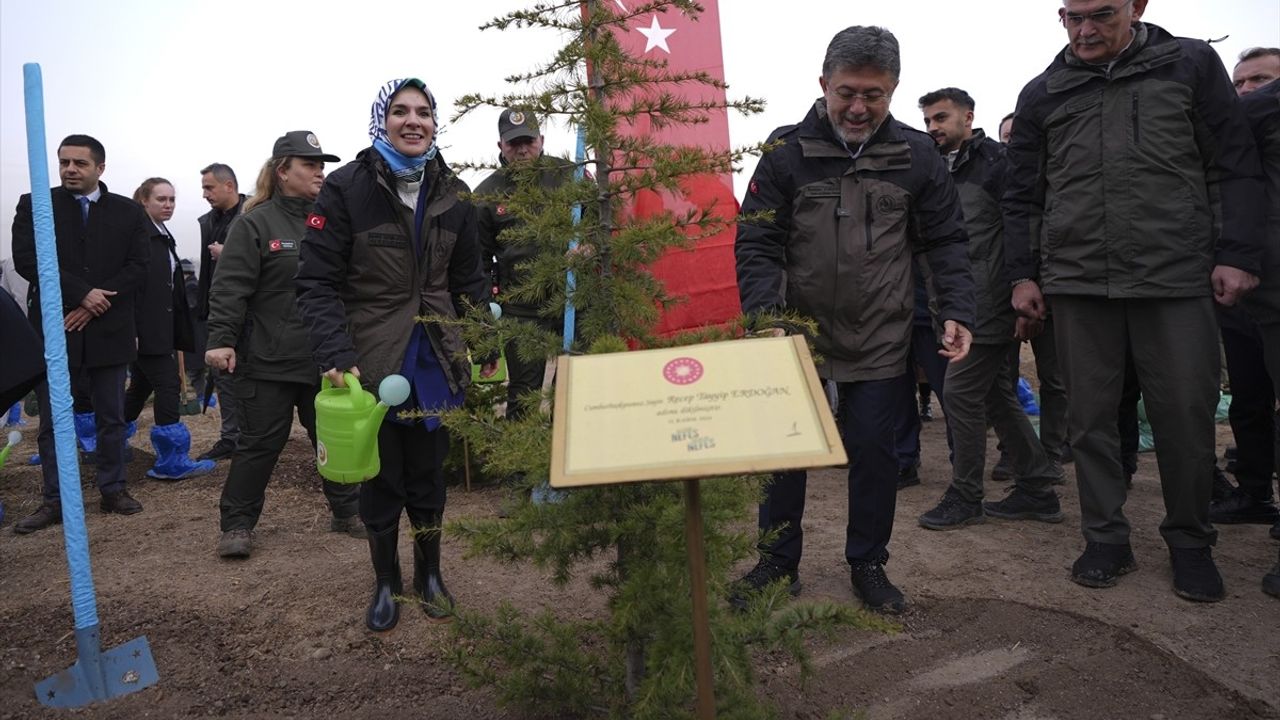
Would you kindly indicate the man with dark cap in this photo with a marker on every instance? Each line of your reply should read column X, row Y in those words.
column 520, row 147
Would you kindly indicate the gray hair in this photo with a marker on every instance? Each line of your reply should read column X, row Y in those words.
column 863, row 46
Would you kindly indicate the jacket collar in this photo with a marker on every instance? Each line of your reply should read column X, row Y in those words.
column 968, row 148
column 818, row 138
column 1151, row 48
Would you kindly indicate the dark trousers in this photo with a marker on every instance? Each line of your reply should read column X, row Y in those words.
column 978, row 392
column 1270, row 335
column 267, row 408
column 1252, row 413
column 1173, row 344
column 106, row 393
column 523, row 377
column 867, row 411
column 924, row 352
column 1053, row 393
column 410, row 479
column 158, row 373
column 1128, row 418
column 228, row 404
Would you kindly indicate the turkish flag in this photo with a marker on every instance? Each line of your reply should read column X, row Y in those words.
column 704, row 276
column 315, row 221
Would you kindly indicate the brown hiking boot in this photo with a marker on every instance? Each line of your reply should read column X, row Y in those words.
column 236, row 543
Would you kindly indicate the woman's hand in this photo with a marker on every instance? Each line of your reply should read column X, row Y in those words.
column 335, row 375
column 223, row 358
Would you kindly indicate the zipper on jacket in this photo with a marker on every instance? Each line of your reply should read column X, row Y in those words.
column 867, row 222
column 1135, row 118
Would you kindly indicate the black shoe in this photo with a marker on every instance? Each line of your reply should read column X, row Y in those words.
column 1003, row 469
column 764, row 574
column 43, row 517
column 873, row 587
column 1230, row 456
column 1241, row 507
column 909, row 476
column 1064, row 456
column 952, row 512
column 237, row 543
column 1057, row 475
column 120, row 503
column 437, row 603
column 1102, row 564
column 350, row 526
column 384, row 610
column 1195, row 576
column 221, row 450
column 1222, row 487
column 926, row 411
column 1271, row 581
column 1019, row 504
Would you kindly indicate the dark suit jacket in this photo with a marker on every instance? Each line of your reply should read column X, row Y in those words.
column 110, row 253
column 164, row 322
column 213, row 229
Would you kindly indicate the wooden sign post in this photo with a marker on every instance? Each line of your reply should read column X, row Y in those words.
column 727, row 408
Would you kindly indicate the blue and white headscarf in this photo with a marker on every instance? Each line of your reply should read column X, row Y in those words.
column 404, row 166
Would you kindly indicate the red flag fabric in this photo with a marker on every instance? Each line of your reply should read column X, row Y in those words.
column 704, row 276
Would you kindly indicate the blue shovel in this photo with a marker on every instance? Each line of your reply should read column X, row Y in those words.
column 96, row 675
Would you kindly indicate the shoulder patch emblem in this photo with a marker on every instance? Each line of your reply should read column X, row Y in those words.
column 315, row 222
column 502, row 210
column 753, row 188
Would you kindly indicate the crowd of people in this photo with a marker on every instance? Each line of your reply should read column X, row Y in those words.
column 1125, row 223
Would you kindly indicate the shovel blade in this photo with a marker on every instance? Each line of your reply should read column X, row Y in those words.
column 119, row 671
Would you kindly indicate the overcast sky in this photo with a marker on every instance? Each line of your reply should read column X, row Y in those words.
column 171, row 86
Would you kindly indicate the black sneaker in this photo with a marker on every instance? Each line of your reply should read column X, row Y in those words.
column 872, row 586
column 1195, row 576
column 952, row 512
column 1271, row 581
column 1222, row 487
column 909, row 476
column 1003, row 470
column 760, row 577
column 1241, row 507
column 1102, row 564
column 1018, row 504
column 221, row 450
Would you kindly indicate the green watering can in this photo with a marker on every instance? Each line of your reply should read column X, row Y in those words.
column 347, row 422
column 14, row 438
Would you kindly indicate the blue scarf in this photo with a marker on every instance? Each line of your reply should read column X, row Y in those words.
column 404, row 167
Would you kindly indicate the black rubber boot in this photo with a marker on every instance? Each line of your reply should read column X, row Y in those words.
column 384, row 609
column 437, row 603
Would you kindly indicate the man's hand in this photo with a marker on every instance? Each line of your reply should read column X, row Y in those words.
column 97, row 302
column 489, row 369
column 1027, row 300
column 335, row 375
column 215, row 251
column 1027, row 328
column 76, row 320
column 223, row 358
column 1230, row 284
column 956, row 339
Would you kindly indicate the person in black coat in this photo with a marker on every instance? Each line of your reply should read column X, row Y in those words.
column 102, row 258
column 164, row 324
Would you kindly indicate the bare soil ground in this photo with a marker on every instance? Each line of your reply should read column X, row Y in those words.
column 996, row 629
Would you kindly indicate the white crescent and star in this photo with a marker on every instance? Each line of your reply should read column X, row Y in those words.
column 656, row 36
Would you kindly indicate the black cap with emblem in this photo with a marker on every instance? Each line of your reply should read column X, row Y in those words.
column 515, row 123
column 301, row 143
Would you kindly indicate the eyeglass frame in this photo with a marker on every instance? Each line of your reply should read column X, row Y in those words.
column 866, row 98
column 1075, row 21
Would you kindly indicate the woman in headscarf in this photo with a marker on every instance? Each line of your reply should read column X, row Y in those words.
column 255, row 334
column 391, row 239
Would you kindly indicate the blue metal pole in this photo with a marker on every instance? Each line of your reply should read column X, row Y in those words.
column 571, row 283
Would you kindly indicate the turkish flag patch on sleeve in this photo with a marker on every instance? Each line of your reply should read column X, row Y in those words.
column 315, row 222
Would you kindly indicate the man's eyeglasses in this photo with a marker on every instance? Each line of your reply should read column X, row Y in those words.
column 875, row 97
column 1099, row 17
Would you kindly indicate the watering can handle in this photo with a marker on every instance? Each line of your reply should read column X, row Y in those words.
column 348, row 379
